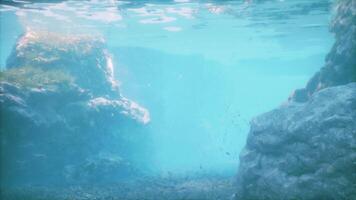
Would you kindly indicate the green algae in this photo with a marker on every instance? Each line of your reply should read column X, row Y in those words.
column 35, row 77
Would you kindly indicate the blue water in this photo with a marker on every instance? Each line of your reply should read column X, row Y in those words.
column 203, row 69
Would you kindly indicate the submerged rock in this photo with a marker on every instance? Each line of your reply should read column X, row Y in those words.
column 84, row 57
column 306, row 149
column 340, row 63
column 303, row 150
column 61, row 109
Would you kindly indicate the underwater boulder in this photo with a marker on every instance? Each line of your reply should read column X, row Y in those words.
column 340, row 63
column 84, row 57
column 306, row 148
column 60, row 107
column 303, row 150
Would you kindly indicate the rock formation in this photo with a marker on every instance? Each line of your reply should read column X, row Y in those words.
column 306, row 149
column 340, row 67
column 63, row 119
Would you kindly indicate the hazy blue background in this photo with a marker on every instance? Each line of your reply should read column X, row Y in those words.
column 203, row 70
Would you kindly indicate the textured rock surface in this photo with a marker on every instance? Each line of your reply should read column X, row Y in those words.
column 340, row 63
column 62, row 116
column 306, row 149
column 303, row 150
column 84, row 57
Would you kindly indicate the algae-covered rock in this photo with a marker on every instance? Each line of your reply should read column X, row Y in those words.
column 84, row 57
column 60, row 107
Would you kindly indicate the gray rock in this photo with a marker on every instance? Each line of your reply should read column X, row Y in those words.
column 303, row 150
column 306, row 149
column 60, row 107
column 340, row 63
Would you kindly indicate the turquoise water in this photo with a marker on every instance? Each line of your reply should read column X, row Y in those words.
column 203, row 69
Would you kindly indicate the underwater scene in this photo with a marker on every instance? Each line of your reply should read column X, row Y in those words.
column 178, row 100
